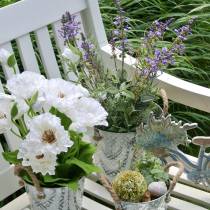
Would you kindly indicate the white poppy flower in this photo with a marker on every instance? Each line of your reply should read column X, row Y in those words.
column 31, row 154
column 4, row 56
column 85, row 113
column 26, row 84
column 47, row 131
column 68, row 54
column 59, row 91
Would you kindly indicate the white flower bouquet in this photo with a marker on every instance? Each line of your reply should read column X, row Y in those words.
column 51, row 118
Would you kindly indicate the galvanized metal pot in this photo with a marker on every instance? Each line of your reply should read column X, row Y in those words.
column 61, row 198
column 114, row 152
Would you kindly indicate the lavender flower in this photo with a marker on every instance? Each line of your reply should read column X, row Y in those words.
column 184, row 31
column 157, row 30
column 70, row 27
column 88, row 49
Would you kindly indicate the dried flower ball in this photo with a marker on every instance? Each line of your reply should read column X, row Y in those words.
column 130, row 186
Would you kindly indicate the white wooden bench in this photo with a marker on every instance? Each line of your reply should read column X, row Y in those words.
column 16, row 23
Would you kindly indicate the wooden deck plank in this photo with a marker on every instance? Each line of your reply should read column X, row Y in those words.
column 177, row 204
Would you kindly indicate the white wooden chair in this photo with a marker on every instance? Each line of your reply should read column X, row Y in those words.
column 16, row 23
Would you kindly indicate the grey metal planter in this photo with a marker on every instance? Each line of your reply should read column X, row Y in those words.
column 114, row 152
column 157, row 204
column 61, row 198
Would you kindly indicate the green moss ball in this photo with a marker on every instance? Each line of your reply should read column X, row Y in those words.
column 130, row 186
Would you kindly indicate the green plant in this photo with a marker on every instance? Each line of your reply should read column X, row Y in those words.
column 127, row 101
column 130, row 186
column 151, row 168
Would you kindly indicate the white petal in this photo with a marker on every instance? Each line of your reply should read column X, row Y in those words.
column 26, row 84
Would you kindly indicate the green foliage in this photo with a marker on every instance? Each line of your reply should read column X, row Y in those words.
column 65, row 121
column 11, row 157
column 14, row 111
column 7, row 2
column 11, row 61
column 151, row 168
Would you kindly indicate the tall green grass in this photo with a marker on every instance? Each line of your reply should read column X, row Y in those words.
column 195, row 65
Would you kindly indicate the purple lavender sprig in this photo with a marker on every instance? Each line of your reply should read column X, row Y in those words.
column 157, row 30
column 88, row 49
column 155, row 60
column 182, row 34
column 70, row 28
column 119, row 35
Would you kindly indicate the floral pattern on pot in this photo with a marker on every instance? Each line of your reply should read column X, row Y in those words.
column 61, row 198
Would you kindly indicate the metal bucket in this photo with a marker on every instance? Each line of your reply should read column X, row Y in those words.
column 156, row 204
column 61, row 198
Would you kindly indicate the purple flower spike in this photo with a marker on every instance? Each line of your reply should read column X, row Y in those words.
column 70, row 27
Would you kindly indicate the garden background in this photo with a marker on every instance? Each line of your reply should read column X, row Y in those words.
column 194, row 66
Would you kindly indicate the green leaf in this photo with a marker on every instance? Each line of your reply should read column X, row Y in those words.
column 74, row 49
column 11, row 157
column 34, row 99
column 14, row 111
column 128, row 94
column 65, row 121
column 87, row 168
column 86, row 152
column 53, row 179
column 73, row 185
column 11, row 61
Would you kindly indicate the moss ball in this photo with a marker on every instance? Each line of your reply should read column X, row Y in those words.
column 130, row 186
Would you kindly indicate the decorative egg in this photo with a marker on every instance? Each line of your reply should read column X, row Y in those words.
column 157, row 189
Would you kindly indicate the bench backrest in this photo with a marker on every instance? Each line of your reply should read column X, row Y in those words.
column 27, row 18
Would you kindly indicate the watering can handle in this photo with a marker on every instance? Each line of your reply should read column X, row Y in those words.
column 180, row 166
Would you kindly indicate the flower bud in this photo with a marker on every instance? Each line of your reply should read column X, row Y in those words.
column 68, row 53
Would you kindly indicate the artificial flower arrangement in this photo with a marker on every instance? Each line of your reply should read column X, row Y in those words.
column 145, row 186
column 127, row 100
column 50, row 117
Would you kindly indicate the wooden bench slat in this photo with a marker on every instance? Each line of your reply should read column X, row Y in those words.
column 192, row 194
column 177, row 204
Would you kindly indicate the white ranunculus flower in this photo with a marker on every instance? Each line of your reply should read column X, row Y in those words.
column 68, row 54
column 59, row 91
column 31, row 154
column 47, row 131
column 26, row 84
column 4, row 56
column 85, row 113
